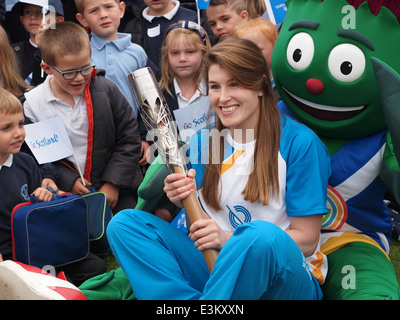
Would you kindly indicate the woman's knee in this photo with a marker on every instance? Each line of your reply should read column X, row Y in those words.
column 262, row 232
column 123, row 221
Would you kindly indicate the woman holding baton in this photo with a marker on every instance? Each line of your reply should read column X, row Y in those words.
column 261, row 178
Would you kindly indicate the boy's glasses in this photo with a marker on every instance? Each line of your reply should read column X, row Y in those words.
column 70, row 75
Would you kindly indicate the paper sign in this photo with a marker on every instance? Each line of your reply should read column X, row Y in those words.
column 194, row 117
column 276, row 11
column 48, row 140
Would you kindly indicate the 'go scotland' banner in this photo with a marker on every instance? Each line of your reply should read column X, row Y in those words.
column 276, row 11
column 48, row 140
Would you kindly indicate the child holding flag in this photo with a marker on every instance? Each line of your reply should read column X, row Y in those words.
column 21, row 177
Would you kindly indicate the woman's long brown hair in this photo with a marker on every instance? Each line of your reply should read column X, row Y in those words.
column 243, row 60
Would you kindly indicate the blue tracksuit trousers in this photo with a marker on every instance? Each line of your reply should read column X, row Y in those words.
column 259, row 261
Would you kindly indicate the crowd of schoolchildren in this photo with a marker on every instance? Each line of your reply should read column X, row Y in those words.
column 78, row 69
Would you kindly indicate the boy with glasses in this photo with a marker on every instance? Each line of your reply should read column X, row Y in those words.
column 99, row 120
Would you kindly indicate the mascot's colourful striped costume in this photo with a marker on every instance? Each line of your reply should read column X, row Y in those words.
column 336, row 67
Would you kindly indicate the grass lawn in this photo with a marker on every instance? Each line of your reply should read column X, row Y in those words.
column 111, row 263
column 395, row 257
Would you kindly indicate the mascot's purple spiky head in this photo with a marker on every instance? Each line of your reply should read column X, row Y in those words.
column 376, row 5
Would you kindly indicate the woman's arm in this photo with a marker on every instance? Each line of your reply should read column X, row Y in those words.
column 305, row 231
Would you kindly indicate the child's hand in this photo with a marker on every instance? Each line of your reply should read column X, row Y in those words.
column 47, row 182
column 111, row 192
column 79, row 188
column 144, row 153
column 42, row 194
column 178, row 187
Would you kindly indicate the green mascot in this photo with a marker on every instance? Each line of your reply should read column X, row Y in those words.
column 336, row 65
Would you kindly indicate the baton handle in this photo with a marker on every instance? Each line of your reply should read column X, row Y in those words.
column 194, row 213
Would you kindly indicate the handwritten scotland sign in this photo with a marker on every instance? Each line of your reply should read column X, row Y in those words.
column 48, row 140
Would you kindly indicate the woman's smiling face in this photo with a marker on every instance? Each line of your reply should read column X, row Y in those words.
column 237, row 107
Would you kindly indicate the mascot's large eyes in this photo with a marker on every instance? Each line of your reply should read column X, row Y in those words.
column 346, row 62
column 300, row 51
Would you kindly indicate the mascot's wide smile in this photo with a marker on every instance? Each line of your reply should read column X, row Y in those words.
column 325, row 112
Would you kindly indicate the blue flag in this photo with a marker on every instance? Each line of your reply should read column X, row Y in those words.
column 202, row 4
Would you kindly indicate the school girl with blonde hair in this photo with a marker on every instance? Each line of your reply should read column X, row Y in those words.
column 184, row 47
